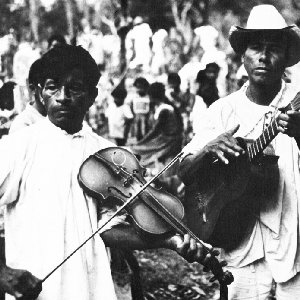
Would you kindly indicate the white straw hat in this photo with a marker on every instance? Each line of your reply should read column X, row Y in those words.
column 265, row 19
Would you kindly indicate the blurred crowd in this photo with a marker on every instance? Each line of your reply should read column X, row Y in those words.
column 152, row 105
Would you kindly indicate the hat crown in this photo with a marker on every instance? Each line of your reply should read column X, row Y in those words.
column 265, row 16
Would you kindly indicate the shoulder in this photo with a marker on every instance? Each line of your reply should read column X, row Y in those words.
column 163, row 109
column 27, row 117
column 291, row 90
column 228, row 103
column 166, row 107
column 94, row 140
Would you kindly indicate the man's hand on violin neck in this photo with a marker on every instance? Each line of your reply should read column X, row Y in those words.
column 19, row 283
column 189, row 249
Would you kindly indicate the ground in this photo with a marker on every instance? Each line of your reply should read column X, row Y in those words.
column 165, row 275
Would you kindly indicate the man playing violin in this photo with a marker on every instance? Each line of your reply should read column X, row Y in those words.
column 47, row 213
column 271, row 250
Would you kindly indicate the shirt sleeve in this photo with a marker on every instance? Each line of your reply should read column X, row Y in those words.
column 10, row 170
column 127, row 112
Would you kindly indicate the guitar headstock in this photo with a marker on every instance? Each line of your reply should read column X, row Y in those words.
column 295, row 103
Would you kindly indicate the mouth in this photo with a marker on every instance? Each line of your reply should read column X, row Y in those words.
column 262, row 69
column 65, row 112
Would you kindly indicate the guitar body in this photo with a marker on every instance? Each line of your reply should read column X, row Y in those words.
column 222, row 202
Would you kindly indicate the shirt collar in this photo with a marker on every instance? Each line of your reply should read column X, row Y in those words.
column 80, row 133
column 277, row 99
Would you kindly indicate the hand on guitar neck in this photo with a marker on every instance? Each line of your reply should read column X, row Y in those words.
column 289, row 123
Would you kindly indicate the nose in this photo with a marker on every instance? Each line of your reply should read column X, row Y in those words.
column 264, row 54
column 62, row 95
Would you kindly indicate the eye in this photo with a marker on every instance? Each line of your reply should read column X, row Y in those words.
column 254, row 46
column 76, row 88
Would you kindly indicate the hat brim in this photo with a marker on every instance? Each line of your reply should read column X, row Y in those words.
column 239, row 38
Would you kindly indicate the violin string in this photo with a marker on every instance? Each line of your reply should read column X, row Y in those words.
column 114, row 215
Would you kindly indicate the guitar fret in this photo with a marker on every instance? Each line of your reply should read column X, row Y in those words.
column 272, row 129
column 250, row 152
column 264, row 139
column 259, row 142
column 256, row 147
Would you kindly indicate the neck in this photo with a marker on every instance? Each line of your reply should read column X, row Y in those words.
column 263, row 94
column 40, row 108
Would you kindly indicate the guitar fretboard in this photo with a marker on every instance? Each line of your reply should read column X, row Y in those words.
column 259, row 145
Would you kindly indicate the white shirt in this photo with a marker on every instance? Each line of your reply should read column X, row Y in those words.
column 275, row 235
column 27, row 117
column 116, row 116
column 47, row 214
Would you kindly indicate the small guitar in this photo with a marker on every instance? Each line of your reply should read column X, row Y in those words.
column 221, row 206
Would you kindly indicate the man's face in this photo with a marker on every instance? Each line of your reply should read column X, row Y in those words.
column 67, row 100
column 265, row 61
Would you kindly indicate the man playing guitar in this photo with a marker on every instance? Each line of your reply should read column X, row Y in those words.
column 270, row 250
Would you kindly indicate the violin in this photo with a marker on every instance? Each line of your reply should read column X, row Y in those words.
column 114, row 174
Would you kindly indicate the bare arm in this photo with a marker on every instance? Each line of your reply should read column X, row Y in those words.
column 124, row 236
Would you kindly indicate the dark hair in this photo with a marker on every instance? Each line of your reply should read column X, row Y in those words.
column 213, row 65
column 157, row 90
column 56, row 37
column 142, row 82
column 174, row 78
column 59, row 60
column 7, row 95
column 35, row 72
column 120, row 93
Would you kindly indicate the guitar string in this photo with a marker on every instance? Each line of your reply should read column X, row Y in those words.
column 274, row 108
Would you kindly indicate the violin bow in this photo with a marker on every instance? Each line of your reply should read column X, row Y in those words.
column 224, row 278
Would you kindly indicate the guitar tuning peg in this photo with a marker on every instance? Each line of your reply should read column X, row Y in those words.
column 215, row 252
column 206, row 269
column 212, row 279
column 223, row 263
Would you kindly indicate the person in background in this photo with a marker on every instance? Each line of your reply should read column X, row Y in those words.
column 140, row 105
column 56, row 40
column 207, row 83
column 183, row 100
column 7, row 106
column 35, row 109
column 164, row 140
column 119, row 117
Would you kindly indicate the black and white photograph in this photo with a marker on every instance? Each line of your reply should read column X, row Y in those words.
column 149, row 150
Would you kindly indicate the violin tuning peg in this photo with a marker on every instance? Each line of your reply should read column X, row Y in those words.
column 215, row 252
column 212, row 279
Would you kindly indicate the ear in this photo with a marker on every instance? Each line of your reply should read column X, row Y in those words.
column 39, row 90
column 243, row 58
column 93, row 93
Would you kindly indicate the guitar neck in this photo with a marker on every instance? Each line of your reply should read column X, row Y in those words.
column 260, row 144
